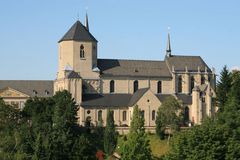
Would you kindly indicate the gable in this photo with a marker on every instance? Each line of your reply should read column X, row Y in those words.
column 148, row 99
column 10, row 93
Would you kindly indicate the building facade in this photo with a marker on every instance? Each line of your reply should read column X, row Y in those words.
column 117, row 84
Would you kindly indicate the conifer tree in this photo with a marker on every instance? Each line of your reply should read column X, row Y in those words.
column 110, row 135
column 64, row 121
column 223, row 87
column 137, row 145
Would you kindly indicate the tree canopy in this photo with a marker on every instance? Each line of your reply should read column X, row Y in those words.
column 168, row 116
column 45, row 129
column 137, row 145
column 217, row 138
column 110, row 135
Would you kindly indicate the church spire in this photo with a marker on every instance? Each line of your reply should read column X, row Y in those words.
column 86, row 22
column 168, row 49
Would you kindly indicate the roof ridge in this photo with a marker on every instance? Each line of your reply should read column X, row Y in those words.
column 131, row 60
column 29, row 80
column 184, row 56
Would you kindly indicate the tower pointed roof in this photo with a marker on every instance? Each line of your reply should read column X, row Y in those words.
column 78, row 32
column 168, row 49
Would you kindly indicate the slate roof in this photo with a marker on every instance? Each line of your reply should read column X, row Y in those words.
column 133, row 68
column 106, row 100
column 124, row 100
column 78, row 32
column 27, row 87
column 73, row 74
column 137, row 95
column 162, row 97
column 192, row 63
column 186, row 99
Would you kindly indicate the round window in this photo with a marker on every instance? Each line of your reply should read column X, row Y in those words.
column 88, row 112
column 81, row 47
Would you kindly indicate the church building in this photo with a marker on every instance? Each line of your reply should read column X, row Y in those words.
column 120, row 84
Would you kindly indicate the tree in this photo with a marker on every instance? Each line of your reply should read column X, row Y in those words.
column 64, row 122
column 9, row 122
column 223, row 87
column 46, row 129
column 110, row 136
column 136, row 146
column 167, row 117
column 217, row 138
column 207, row 141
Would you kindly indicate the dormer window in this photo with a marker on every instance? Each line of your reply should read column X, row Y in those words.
column 82, row 53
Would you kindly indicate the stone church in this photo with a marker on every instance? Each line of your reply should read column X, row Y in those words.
column 120, row 84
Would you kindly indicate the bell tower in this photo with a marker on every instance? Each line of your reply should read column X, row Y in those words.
column 78, row 51
column 77, row 60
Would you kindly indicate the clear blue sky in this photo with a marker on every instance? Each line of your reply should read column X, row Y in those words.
column 126, row 29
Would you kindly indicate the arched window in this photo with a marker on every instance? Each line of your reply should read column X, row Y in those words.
column 202, row 80
column 180, row 84
column 186, row 114
column 100, row 115
column 192, row 83
column 84, row 88
column 112, row 86
column 142, row 113
column 153, row 115
column 135, row 86
column 82, row 53
column 124, row 116
column 113, row 114
column 159, row 87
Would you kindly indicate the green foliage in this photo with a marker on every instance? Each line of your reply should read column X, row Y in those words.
column 167, row 116
column 218, row 138
column 223, row 87
column 110, row 135
column 201, row 142
column 137, row 145
column 45, row 129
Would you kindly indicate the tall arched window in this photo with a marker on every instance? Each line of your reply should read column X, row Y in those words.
column 153, row 115
column 100, row 115
column 202, row 80
column 142, row 113
column 113, row 114
column 82, row 53
column 186, row 114
column 179, row 84
column 192, row 83
column 159, row 87
column 112, row 85
column 124, row 116
column 135, row 86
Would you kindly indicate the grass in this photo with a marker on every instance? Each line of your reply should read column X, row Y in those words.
column 158, row 147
